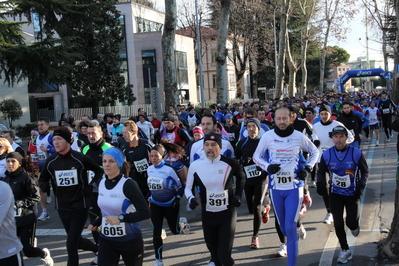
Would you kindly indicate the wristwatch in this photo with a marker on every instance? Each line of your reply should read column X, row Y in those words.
column 121, row 218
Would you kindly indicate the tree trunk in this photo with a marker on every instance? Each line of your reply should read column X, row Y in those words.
column 221, row 58
column 168, row 52
column 285, row 7
column 292, row 69
column 396, row 61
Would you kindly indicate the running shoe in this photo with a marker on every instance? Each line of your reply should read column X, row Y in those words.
column 367, row 140
column 328, row 219
column 95, row 260
column 301, row 232
column 303, row 209
column 255, row 242
column 356, row 231
column 211, row 263
column 158, row 262
column 265, row 214
column 377, row 143
column 44, row 216
column 47, row 261
column 344, row 256
column 307, row 200
column 388, row 140
column 313, row 184
column 391, row 135
column 163, row 234
column 282, row 252
column 49, row 200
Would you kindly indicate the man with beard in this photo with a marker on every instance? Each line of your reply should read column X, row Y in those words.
column 351, row 121
column 279, row 153
column 214, row 176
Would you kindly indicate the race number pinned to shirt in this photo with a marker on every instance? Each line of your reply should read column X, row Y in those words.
column 142, row 165
column 217, row 199
column 34, row 158
column 41, row 155
column 341, row 181
column 116, row 230
column 155, row 183
column 66, row 178
column 323, row 148
column 114, row 138
column 18, row 212
column 386, row 111
column 284, row 178
column 373, row 118
column 231, row 136
column 251, row 171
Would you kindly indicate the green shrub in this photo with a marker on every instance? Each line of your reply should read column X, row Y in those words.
column 24, row 131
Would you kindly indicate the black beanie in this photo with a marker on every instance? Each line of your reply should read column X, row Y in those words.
column 214, row 137
column 15, row 155
column 64, row 133
column 325, row 107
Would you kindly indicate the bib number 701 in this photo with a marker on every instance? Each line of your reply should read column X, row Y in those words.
column 284, row 179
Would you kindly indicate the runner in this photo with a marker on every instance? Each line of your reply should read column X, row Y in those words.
column 214, row 176
column 166, row 191
column 374, row 114
column 26, row 195
column 343, row 163
column 387, row 109
column 5, row 148
column 120, row 215
column 278, row 153
column 67, row 171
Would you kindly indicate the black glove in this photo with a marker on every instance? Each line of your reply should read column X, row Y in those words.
column 192, row 203
column 321, row 188
column 316, row 143
column 273, row 168
column 303, row 173
column 87, row 191
column 236, row 201
column 359, row 192
column 176, row 202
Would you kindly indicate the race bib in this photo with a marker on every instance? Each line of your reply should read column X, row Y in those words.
column 284, row 178
column 34, row 158
column 114, row 138
column 155, row 183
column 341, row 181
column 231, row 136
column 41, row 155
column 90, row 176
column 217, row 199
column 142, row 165
column 18, row 212
column 66, row 178
column 386, row 111
column 116, row 230
column 251, row 171
column 324, row 148
column 373, row 118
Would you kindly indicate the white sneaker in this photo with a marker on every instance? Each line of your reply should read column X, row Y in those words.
column 95, row 260
column 313, row 184
column 158, row 262
column 163, row 234
column 301, row 232
column 344, row 256
column 49, row 200
column 328, row 219
column 47, row 261
column 388, row 140
column 377, row 143
column 391, row 135
column 282, row 252
column 44, row 216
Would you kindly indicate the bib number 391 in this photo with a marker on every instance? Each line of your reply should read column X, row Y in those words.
column 66, row 178
column 116, row 230
column 217, row 199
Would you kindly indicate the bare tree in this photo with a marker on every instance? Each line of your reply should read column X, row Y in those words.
column 221, row 56
column 168, row 52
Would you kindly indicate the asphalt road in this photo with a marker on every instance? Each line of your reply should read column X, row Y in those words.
column 319, row 248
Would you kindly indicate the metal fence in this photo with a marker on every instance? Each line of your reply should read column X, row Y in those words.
column 124, row 111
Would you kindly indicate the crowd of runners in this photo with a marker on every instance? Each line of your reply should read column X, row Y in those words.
column 111, row 174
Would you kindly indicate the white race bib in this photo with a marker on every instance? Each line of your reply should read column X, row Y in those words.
column 231, row 136
column 373, row 118
column 251, row 171
column 284, row 178
column 17, row 212
column 341, row 181
column 217, row 199
column 386, row 111
column 142, row 165
column 66, row 178
column 114, row 138
column 323, row 148
column 41, row 155
column 35, row 158
column 116, row 230
column 90, row 176
column 155, row 183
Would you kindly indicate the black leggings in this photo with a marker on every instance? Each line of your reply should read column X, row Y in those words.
column 351, row 204
column 73, row 222
column 15, row 260
column 110, row 251
column 255, row 190
column 386, row 123
column 219, row 229
column 27, row 235
column 326, row 197
column 172, row 217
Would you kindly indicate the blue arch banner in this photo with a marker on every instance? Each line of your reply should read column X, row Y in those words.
column 359, row 73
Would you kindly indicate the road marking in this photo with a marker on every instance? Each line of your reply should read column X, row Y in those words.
column 57, row 232
column 329, row 249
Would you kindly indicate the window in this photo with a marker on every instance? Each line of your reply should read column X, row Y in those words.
column 232, row 81
column 143, row 25
column 213, row 56
column 181, row 70
column 213, row 81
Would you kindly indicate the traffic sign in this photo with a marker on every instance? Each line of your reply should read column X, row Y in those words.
column 388, row 75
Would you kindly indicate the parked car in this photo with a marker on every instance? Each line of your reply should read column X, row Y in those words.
column 17, row 139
